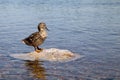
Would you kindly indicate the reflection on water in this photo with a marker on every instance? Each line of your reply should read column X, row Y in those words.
column 36, row 69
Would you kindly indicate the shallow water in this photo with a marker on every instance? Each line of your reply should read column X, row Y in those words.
column 87, row 27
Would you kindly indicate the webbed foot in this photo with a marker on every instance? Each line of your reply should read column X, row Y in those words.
column 39, row 50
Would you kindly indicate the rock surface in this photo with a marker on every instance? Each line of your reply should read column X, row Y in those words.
column 51, row 54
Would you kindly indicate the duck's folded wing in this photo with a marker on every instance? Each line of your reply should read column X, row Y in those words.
column 32, row 40
column 34, row 37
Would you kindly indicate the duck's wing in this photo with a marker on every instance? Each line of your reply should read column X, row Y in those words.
column 30, row 40
column 33, row 37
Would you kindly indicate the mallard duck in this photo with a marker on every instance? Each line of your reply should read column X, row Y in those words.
column 37, row 38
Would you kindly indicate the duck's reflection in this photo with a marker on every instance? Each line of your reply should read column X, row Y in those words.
column 36, row 68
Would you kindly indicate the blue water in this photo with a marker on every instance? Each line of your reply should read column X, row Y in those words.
column 86, row 27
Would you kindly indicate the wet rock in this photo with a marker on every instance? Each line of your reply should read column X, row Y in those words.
column 51, row 54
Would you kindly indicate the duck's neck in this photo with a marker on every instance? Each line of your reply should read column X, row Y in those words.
column 43, row 33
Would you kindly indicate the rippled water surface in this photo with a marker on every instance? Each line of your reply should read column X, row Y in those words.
column 86, row 27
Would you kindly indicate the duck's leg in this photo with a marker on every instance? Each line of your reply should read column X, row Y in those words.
column 37, row 49
column 40, row 49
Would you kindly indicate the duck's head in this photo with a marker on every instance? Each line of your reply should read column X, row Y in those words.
column 42, row 26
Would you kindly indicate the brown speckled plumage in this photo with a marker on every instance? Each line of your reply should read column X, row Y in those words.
column 37, row 38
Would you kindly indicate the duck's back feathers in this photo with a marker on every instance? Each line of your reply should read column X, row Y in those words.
column 34, row 39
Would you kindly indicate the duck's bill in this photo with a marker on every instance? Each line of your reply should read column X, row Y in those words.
column 47, row 29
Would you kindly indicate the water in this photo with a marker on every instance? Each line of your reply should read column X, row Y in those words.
column 87, row 27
